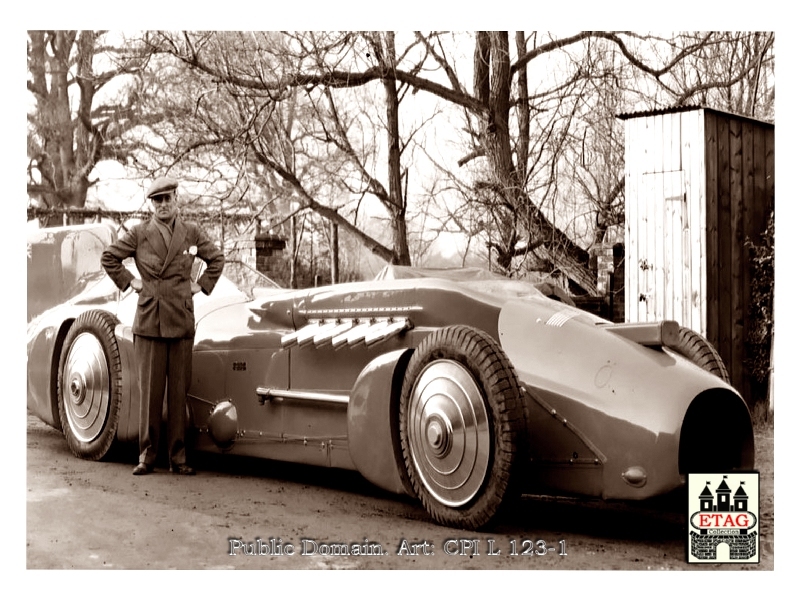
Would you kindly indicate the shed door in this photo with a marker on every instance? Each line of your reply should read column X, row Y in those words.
column 676, row 256
column 664, row 261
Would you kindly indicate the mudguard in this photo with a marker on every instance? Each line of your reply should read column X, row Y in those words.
column 372, row 427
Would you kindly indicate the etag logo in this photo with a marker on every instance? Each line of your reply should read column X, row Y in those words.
column 723, row 518
column 722, row 521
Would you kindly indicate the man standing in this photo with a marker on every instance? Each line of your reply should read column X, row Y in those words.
column 164, row 249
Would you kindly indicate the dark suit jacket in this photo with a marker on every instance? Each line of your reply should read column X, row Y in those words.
column 165, row 308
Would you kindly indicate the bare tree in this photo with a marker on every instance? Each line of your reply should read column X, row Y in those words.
column 75, row 120
column 594, row 151
column 324, row 151
column 733, row 71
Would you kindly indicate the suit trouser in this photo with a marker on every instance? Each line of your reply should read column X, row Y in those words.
column 164, row 363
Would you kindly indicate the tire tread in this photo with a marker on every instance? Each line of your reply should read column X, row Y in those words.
column 699, row 350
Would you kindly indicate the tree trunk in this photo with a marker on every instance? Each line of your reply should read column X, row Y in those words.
column 400, row 252
column 334, row 253
column 496, row 140
column 517, row 217
column 523, row 113
column 61, row 161
column 293, row 251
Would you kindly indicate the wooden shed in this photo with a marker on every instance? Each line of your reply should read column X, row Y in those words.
column 698, row 183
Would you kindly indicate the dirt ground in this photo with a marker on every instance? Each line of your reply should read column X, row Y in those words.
column 96, row 515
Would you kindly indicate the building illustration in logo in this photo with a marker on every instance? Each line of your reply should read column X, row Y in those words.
column 724, row 518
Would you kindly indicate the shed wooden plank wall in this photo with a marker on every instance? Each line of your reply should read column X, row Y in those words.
column 665, row 216
column 740, row 195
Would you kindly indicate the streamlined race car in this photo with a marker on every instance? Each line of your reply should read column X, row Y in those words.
column 459, row 387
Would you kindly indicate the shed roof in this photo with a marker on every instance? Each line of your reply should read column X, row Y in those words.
column 686, row 108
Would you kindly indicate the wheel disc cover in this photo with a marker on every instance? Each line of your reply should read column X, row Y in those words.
column 86, row 388
column 448, row 432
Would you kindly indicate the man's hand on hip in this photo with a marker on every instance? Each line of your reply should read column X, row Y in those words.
column 195, row 287
column 136, row 284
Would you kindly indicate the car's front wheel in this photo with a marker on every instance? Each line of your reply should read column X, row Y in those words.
column 90, row 385
column 462, row 427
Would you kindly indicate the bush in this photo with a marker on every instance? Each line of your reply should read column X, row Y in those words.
column 759, row 336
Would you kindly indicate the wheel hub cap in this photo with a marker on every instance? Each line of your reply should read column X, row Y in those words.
column 77, row 389
column 449, row 434
column 87, row 393
column 439, row 434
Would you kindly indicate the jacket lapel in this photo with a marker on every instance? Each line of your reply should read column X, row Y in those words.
column 178, row 235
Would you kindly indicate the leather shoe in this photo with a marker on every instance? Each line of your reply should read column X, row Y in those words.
column 142, row 469
column 182, row 470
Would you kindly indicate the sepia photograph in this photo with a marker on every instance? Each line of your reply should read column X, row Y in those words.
column 400, row 301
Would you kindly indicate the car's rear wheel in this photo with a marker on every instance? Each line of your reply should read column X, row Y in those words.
column 462, row 427
column 90, row 385
column 699, row 350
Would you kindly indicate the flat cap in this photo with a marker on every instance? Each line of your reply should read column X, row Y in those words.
column 162, row 185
